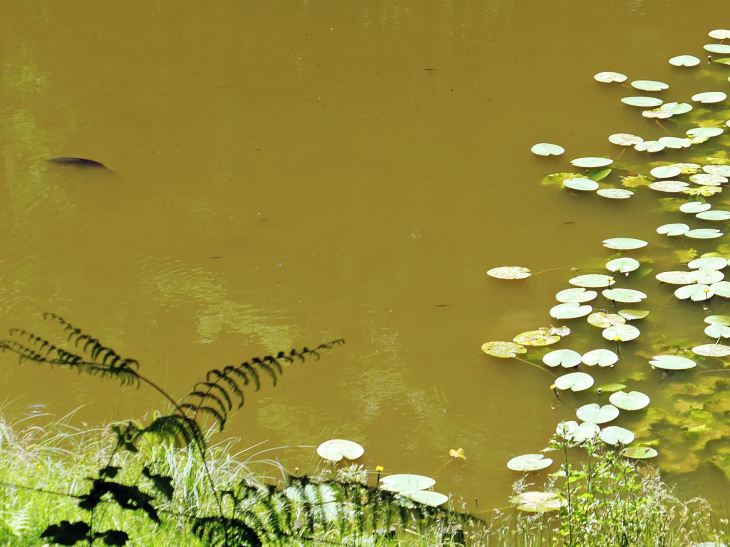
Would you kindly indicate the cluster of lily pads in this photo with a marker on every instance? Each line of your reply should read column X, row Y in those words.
column 703, row 280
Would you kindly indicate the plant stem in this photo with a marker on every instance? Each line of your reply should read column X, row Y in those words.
column 536, row 366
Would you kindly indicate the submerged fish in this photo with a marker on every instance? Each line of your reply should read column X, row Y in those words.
column 82, row 162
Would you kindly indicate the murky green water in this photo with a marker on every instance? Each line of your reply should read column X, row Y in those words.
column 289, row 173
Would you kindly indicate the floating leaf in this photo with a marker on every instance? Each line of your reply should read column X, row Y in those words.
column 712, row 350
column 675, row 142
column 634, row 181
column 649, row 85
column 717, row 48
column 631, row 315
column 649, row 146
column 639, row 452
column 591, row 162
column 714, row 215
column 684, row 60
column 538, row 337
column 707, row 277
column 625, row 296
column 707, row 132
column 576, row 381
column 719, row 34
column 634, row 400
column 717, row 331
column 584, row 184
column 624, row 243
column 705, row 233
column 559, row 331
column 687, row 168
column 723, row 61
column 575, row 295
column 571, row 431
column 673, row 229
column 676, row 108
column 643, row 102
column 698, row 293
column 336, row 449
column 615, row 435
column 406, row 483
column 599, row 174
column 503, row 350
column 600, row 357
column 694, row 206
column 597, row 414
column 538, row 502
column 529, row 462
column 570, row 310
column 676, row 278
column 432, row 499
column 672, row 362
column 609, row 77
column 592, row 281
column 565, row 357
column 657, row 113
column 708, row 180
column 669, row 186
column 625, row 139
column 622, row 333
column 509, row 272
column 665, row 172
column 722, row 170
column 622, row 265
column 721, row 288
column 709, row 97
column 718, row 320
column 610, row 387
column 604, row 320
column 705, row 191
column 547, row 149
column 614, row 193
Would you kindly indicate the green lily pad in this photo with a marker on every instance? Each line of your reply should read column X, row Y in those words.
column 649, row 146
column 649, row 85
column 639, row 452
column 571, row 431
column 665, row 172
column 693, row 207
column 592, row 281
column 622, row 333
column 709, row 97
column 624, row 243
column 575, row 381
column 643, row 102
column 570, row 310
column 547, row 149
column 707, row 277
column 575, row 295
column 707, row 132
column 721, row 288
column 625, row 296
column 529, row 462
column 712, row 350
column 614, row 193
column 717, row 48
column 675, row 142
column 503, row 350
column 676, row 108
column 406, row 482
column 717, row 331
column 718, row 320
column 591, row 162
column 684, row 60
column 676, row 278
column 433, row 499
column 565, row 357
column 719, row 34
column 634, row 400
column 586, row 185
column 622, row 265
column 632, row 315
column 704, row 233
column 336, row 449
column 615, row 435
column 669, row 186
column 599, row 174
column 539, row 337
column 597, row 414
column 600, row 357
column 610, row 387
column 673, row 229
column 604, row 320
column 509, row 272
column 723, row 61
column 714, row 215
column 538, row 502
column 625, row 139
column 672, row 362
column 697, row 293
column 609, row 77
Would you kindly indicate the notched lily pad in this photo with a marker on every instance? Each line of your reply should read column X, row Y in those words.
column 624, row 243
column 610, row 77
column 621, row 333
column 575, row 381
column 615, row 435
column 570, row 310
column 509, row 272
column 604, row 320
column 406, row 482
column 529, row 462
column 579, row 295
column 433, row 499
column 539, row 337
column 600, row 357
column 592, row 281
column 625, row 139
column 634, row 400
column 673, row 229
column 503, row 350
column 712, row 350
column 565, row 357
column 672, row 362
column 632, row 315
column 547, row 149
column 336, row 449
column 625, row 296
column 597, row 414
column 622, row 265
column 639, row 452
column 684, row 60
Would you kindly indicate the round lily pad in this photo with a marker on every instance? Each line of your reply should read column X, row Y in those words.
column 433, row 499
column 503, row 350
column 722, row 170
column 509, row 272
column 708, row 132
column 547, row 149
column 622, row 333
column 643, row 102
column 672, row 362
column 707, row 180
column 575, row 295
column 586, row 185
column 625, row 296
column 538, row 337
column 649, row 146
column 673, row 229
column 707, row 277
column 614, row 193
column 634, row 400
column 570, row 310
column 709, row 97
column 591, row 162
column 687, row 168
column 676, row 108
column 684, row 60
column 717, row 331
column 622, row 265
column 649, row 85
column 697, row 293
column 632, row 315
column 714, row 215
column 609, row 77
column 704, row 233
column 721, row 288
column 604, row 320
column 575, row 381
column 624, row 243
column 719, row 34
column 665, row 172
column 592, row 281
column 676, row 278
column 717, row 48
column 336, row 449
column 406, row 482
column 639, row 452
column 675, row 142
column 625, row 139
column 571, row 431
column 669, row 186
column 692, row 207
column 615, row 435
column 597, row 414
column 718, row 320
column 600, row 357
column 565, row 357
column 712, row 350
column 538, row 502
column 529, row 462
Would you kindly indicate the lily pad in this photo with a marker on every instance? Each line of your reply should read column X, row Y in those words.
column 669, row 186
column 707, row 132
column 698, row 292
column 665, row 172
column 509, row 272
column 718, row 320
column 610, row 387
column 675, row 142
column 597, row 414
column 529, row 462
column 721, row 288
column 625, row 296
column 624, row 243
column 717, row 48
column 709, row 97
column 591, row 162
column 714, row 215
column 673, row 229
column 625, row 139
column 649, row 146
column 538, row 502
column 687, row 168
column 538, row 337
column 586, row 185
column 634, row 400
column 570, row 310
column 657, row 113
column 649, row 85
column 609, row 77
column 615, row 193
column 604, row 320
column 575, row 381
column 575, row 295
column 432, row 499
column 592, row 281
column 503, row 350
column 615, row 435
column 684, row 60
column 717, row 331
column 676, row 108
column 672, row 362
column 622, row 265
column 639, row 452
column 547, row 149
column 406, row 482
column 600, row 357
column 622, row 333
column 712, row 350
column 708, row 180
column 632, row 315
column 571, row 431
column 336, row 449
column 719, row 34
column 692, row 207
column 565, row 357
column 722, row 170
column 704, row 233
column 707, row 277
column 643, row 102
column 676, row 278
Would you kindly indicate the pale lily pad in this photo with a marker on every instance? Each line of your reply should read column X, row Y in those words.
column 621, row 333
column 592, row 281
column 576, row 381
column 609, row 388
column 687, row 168
column 649, row 146
column 625, row 296
column 704, row 233
column 676, row 278
column 609, row 77
column 639, row 452
column 538, row 337
column 615, row 435
column 570, row 310
column 722, row 170
column 643, row 102
column 625, row 139
column 591, row 162
column 672, row 362
column 571, row 431
column 698, row 292
column 336, row 449
column 538, row 502
column 673, row 229
column 503, row 350
column 676, row 108
column 529, row 462
column 669, row 186
column 586, row 185
column 597, row 414
column 632, row 315
column 547, row 149
column 615, row 193
column 509, row 272
column 709, row 97
column 665, row 172
column 708, row 180
column 717, row 48
column 707, row 132
column 714, row 215
column 707, row 277
column 694, row 206
column 432, row 499
column 675, row 142
column 649, row 85
column 622, row 265
column 684, row 60
column 559, row 331
column 634, row 400
column 406, row 482
column 624, row 243
column 604, row 320
column 575, row 295
column 712, row 350
column 717, row 331
column 600, row 357
column 657, row 113
column 718, row 320
column 565, row 357
column 719, row 34
column 721, row 288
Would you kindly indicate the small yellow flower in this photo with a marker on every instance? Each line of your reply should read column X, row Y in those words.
column 458, row 453
column 553, row 387
column 379, row 468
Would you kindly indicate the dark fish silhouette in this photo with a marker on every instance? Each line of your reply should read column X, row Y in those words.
column 81, row 162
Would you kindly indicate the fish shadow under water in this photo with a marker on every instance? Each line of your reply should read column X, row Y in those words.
column 78, row 162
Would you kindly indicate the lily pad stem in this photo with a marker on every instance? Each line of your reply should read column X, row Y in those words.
column 660, row 125
column 536, row 366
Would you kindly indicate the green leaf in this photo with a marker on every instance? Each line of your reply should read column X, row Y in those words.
column 634, row 400
column 503, row 350
column 406, row 482
column 672, row 362
column 591, row 162
column 565, row 357
column 597, row 414
column 599, row 174
column 615, row 435
column 684, row 60
column 639, row 452
column 575, row 381
column 600, row 357
column 547, row 149
column 624, row 243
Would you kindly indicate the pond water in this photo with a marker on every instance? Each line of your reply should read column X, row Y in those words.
column 289, row 173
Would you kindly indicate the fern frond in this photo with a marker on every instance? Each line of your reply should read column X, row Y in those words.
column 180, row 429
column 224, row 532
